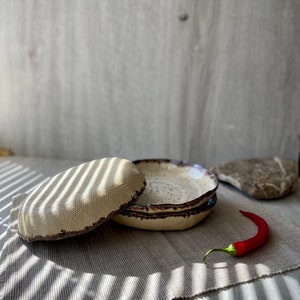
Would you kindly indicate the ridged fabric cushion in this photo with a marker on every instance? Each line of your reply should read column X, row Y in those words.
column 79, row 199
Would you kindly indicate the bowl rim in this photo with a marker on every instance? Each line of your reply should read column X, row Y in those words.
column 206, row 206
column 179, row 206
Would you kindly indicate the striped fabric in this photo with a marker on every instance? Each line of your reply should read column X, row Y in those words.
column 114, row 262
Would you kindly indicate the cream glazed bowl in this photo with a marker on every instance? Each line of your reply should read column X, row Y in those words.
column 178, row 195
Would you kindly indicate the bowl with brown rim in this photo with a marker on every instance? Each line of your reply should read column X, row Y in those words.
column 178, row 195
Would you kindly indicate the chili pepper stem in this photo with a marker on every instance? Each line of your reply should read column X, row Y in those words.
column 242, row 247
column 229, row 250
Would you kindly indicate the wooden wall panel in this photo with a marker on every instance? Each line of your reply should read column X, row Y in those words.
column 86, row 79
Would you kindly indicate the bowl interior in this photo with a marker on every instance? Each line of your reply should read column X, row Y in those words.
column 173, row 184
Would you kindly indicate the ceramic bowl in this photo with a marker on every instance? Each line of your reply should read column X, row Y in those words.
column 177, row 196
column 79, row 199
column 180, row 220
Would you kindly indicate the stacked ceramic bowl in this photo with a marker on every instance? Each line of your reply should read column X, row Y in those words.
column 153, row 194
column 178, row 195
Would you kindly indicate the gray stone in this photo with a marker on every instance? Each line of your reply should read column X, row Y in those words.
column 261, row 178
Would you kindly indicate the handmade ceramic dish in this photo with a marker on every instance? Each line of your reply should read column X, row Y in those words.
column 79, row 199
column 179, row 220
column 177, row 196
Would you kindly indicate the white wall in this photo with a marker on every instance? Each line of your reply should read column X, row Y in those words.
column 87, row 79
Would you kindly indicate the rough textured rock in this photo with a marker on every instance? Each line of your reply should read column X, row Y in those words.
column 261, row 178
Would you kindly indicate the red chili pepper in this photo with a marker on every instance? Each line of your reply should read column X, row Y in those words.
column 243, row 247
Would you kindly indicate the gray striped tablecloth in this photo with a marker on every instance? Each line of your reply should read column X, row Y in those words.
column 112, row 261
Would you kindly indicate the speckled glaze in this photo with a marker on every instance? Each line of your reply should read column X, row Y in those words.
column 178, row 195
column 173, row 185
column 79, row 199
column 180, row 220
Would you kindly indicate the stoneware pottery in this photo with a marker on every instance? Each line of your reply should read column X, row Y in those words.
column 79, row 199
column 177, row 196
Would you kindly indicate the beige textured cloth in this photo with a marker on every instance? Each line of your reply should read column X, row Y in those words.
column 113, row 260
